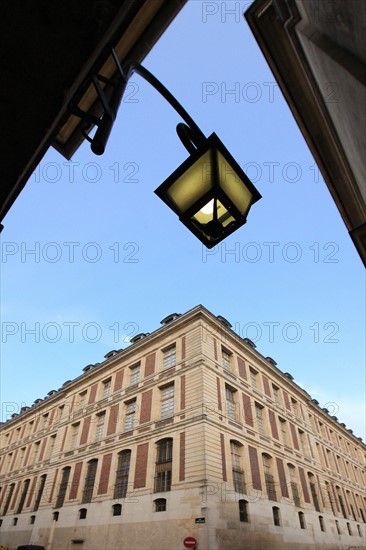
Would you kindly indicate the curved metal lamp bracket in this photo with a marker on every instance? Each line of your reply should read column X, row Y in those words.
column 189, row 133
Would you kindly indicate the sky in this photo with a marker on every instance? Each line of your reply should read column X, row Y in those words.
column 90, row 256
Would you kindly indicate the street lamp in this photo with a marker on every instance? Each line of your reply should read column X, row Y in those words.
column 209, row 191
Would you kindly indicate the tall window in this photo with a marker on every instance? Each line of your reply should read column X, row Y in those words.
column 40, row 492
column 276, row 393
column 169, row 357
column 51, row 445
column 276, row 516
column 349, row 529
column 302, row 520
column 302, row 438
column 63, row 487
column 283, row 429
column 8, row 498
column 23, row 496
column 74, row 435
column 268, row 477
column 293, row 485
column 321, row 523
column 135, row 374
column 106, row 388
column 99, row 432
column 36, row 451
column 313, row 491
column 259, row 416
column 44, row 421
column 163, row 467
column 167, row 401
column 123, row 468
column 226, row 359
column 90, row 480
column 341, row 503
column 230, row 403
column 130, row 414
column 82, row 399
column 238, row 473
column 243, row 510
column 338, row 527
column 253, row 377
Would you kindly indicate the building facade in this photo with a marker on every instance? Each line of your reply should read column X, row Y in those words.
column 188, row 432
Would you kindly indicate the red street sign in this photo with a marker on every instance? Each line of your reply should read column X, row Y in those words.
column 190, row 542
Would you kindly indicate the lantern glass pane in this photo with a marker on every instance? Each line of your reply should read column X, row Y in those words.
column 206, row 214
column 192, row 185
column 234, row 187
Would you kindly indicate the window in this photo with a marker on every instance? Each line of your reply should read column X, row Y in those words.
column 321, row 523
column 55, row 516
column 89, row 481
column 167, row 401
column 268, row 477
column 238, row 473
column 341, row 503
column 303, row 446
column 163, row 466
column 359, row 530
column 106, row 388
column 82, row 399
column 82, row 513
column 338, row 527
column 130, row 414
column 15, row 521
column 313, row 491
column 226, row 359
column 123, row 468
column 349, row 528
column 276, row 393
column 230, row 402
column 23, row 496
column 276, row 516
column 36, row 451
column 8, row 498
column 32, row 520
column 44, row 421
column 169, row 359
column 40, row 492
column 135, row 374
column 243, row 511
column 253, row 377
column 283, row 430
column 330, row 497
column 117, row 509
column 160, row 505
column 293, row 485
column 51, row 445
column 259, row 416
column 302, row 520
column 63, row 487
column 74, row 435
column 99, row 432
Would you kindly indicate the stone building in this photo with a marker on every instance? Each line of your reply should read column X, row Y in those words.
column 188, row 432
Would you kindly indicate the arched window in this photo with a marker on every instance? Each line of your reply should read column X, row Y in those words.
column 268, row 477
column 341, row 502
column 160, row 504
column 313, row 491
column 82, row 513
column 117, row 509
column 90, row 480
column 330, row 496
column 123, row 468
column 276, row 516
column 8, row 498
column 294, row 485
column 236, row 462
column 15, row 521
column 23, row 496
column 338, row 527
column 349, row 528
column 40, row 492
column 321, row 523
column 32, row 520
column 243, row 510
column 302, row 520
column 163, row 466
column 63, row 487
column 359, row 530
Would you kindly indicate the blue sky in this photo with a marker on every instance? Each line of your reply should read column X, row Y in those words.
column 111, row 260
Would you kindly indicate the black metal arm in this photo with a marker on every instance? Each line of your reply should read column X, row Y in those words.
column 189, row 133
